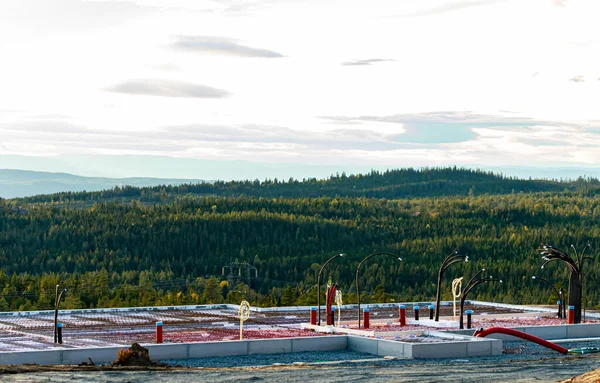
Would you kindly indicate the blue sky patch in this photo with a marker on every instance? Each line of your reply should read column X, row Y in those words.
column 430, row 132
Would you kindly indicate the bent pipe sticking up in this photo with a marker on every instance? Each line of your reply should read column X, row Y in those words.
column 508, row 331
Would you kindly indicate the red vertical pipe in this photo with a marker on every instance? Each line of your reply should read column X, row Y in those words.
column 366, row 315
column 313, row 315
column 159, row 332
column 402, row 315
column 571, row 315
column 330, row 296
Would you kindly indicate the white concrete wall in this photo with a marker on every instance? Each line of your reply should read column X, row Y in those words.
column 526, row 308
column 463, row 348
column 180, row 350
column 565, row 331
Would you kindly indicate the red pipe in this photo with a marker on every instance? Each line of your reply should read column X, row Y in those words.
column 159, row 332
column 402, row 315
column 366, row 322
column 522, row 335
column 330, row 296
column 571, row 317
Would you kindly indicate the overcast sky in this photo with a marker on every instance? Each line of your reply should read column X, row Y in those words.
column 323, row 82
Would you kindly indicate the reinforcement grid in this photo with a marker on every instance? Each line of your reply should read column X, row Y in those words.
column 35, row 331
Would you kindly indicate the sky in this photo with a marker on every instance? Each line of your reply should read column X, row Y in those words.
column 332, row 83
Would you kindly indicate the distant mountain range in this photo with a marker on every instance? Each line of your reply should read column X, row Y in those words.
column 24, row 183
column 23, row 176
column 164, row 167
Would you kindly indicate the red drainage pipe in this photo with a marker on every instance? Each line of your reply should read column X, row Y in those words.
column 522, row 335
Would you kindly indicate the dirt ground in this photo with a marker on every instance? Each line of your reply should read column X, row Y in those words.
column 548, row 370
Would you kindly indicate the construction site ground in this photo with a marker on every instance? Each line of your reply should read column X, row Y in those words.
column 523, row 362
column 122, row 328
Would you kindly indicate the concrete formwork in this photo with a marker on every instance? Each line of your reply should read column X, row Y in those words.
column 179, row 350
column 567, row 331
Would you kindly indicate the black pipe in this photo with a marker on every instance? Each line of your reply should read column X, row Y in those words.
column 319, row 286
column 357, row 286
column 449, row 261
column 59, row 332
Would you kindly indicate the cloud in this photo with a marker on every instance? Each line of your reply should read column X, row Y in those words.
column 449, row 7
column 220, row 45
column 365, row 62
column 53, row 126
column 167, row 88
column 577, row 79
column 448, row 127
column 178, row 140
column 63, row 15
column 229, row 7
column 448, row 117
column 418, row 139
column 424, row 128
column 246, row 7
column 167, row 67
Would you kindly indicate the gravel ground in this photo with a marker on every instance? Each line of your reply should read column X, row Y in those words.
column 507, row 371
column 268, row 360
column 514, row 351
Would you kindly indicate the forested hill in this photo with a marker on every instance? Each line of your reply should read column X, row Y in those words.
column 125, row 247
column 391, row 184
column 128, row 254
